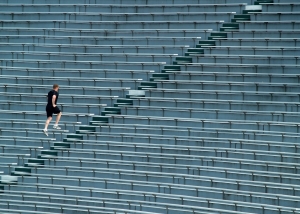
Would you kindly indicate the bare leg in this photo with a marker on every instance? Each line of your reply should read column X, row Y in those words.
column 47, row 122
column 57, row 118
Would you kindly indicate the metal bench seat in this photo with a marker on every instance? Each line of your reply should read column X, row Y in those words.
column 91, row 200
column 136, row 65
column 218, row 103
column 94, row 16
column 15, row 211
column 97, row 41
column 11, row 159
column 285, row 51
column 259, row 163
column 263, row 33
column 179, row 142
column 288, row 24
column 182, row 172
column 208, row 123
column 41, row 115
column 30, row 125
column 82, row 181
column 215, row 114
column 43, row 208
column 265, row 198
column 23, row 54
column 78, row 188
column 80, row 108
column 227, row 85
column 169, row 58
column 76, row 73
column 71, row 81
column 106, row 32
column 232, row 185
column 32, row 132
column 263, row 42
column 112, row 24
column 24, row 121
column 219, row 94
column 274, row 16
column 291, row 6
column 246, row 154
column 167, row 172
column 113, row 8
column 7, row 167
column 248, row 59
column 40, row 97
column 158, row 196
column 66, row 89
column 137, row 139
column 91, row 50
column 44, row 141
column 131, row 2
column 32, row 150
column 234, row 75
column 190, row 181
column 247, row 68
column 259, row 134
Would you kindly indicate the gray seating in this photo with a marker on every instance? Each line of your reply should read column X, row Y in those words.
column 91, row 57
column 83, row 40
column 141, row 65
column 247, row 59
column 212, row 114
column 85, row 73
column 119, row 82
column 279, row 16
column 113, row 202
column 33, row 124
column 238, row 76
column 286, row 51
column 127, row 8
column 183, row 16
column 113, row 24
column 211, row 123
column 36, row 115
column 291, row 24
column 227, row 85
column 133, row 2
column 51, row 49
column 204, row 33
column 263, row 33
column 290, row 6
column 98, row 182
column 161, row 198
column 282, row 42
column 217, row 165
column 168, row 107
column 247, row 68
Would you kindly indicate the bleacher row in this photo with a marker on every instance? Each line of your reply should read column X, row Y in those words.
column 168, row 106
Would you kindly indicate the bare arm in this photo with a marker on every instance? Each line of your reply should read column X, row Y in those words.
column 53, row 100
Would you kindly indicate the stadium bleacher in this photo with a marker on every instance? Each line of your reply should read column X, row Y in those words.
column 168, row 106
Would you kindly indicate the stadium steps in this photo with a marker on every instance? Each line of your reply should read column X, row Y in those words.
column 103, row 119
